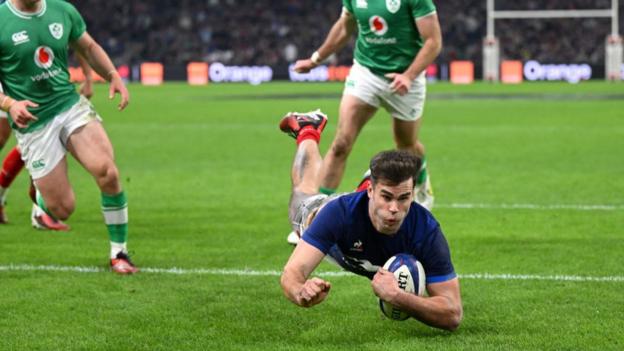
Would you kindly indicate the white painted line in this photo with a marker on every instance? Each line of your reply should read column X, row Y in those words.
column 532, row 207
column 274, row 273
column 566, row 278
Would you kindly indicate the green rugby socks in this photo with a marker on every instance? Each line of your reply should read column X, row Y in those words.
column 422, row 173
column 326, row 191
column 115, row 210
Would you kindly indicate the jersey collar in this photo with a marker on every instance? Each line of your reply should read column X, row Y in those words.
column 27, row 15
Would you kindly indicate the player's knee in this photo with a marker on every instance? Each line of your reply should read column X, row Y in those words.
column 341, row 147
column 108, row 176
column 62, row 209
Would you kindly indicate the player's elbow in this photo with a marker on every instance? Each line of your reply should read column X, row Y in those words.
column 435, row 43
column 284, row 283
column 453, row 324
column 454, row 319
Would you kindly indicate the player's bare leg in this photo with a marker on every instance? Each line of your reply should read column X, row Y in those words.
column 5, row 131
column 354, row 114
column 56, row 195
column 304, row 175
column 306, row 128
column 306, row 167
column 92, row 148
column 406, row 138
column 39, row 218
column 11, row 166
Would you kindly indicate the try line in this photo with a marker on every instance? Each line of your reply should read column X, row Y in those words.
column 531, row 207
column 274, row 273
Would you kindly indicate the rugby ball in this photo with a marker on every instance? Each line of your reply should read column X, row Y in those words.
column 410, row 276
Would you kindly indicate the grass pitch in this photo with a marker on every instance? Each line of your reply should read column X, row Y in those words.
column 528, row 181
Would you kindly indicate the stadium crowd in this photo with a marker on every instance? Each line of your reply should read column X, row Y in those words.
column 263, row 32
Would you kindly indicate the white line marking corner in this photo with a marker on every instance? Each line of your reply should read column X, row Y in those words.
column 274, row 273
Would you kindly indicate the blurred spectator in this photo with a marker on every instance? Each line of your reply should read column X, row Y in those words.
column 262, row 32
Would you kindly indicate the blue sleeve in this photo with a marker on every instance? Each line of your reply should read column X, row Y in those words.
column 326, row 227
column 436, row 258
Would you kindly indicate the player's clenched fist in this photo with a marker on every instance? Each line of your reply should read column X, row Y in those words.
column 385, row 285
column 312, row 292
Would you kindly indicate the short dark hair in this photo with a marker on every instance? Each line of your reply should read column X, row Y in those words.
column 394, row 167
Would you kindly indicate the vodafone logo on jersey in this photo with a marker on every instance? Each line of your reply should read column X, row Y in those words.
column 44, row 56
column 378, row 25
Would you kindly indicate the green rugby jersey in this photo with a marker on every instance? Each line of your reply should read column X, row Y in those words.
column 388, row 40
column 33, row 57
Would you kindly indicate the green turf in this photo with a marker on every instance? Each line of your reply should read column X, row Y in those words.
column 206, row 172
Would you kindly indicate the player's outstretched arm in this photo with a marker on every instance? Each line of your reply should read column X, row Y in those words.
column 295, row 283
column 336, row 39
column 441, row 309
column 102, row 64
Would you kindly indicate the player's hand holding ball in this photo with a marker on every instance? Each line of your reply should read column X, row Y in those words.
column 401, row 274
column 385, row 285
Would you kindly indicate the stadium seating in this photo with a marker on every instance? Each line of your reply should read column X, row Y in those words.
column 263, row 32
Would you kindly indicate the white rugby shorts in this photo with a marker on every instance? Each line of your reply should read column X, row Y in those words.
column 44, row 148
column 375, row 91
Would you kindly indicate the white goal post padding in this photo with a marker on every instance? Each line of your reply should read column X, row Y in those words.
column 491, row 49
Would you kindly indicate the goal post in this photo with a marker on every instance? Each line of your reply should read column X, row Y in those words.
column 613, row 50
column 613, row 58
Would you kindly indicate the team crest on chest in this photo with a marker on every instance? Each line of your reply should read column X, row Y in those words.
column 357, row 246
column 393, row 5
column 56, row 29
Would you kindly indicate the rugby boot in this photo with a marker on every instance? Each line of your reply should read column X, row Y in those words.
column 122, row 264
column 293, row 122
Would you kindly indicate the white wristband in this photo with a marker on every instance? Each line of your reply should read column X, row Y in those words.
column 316, row 58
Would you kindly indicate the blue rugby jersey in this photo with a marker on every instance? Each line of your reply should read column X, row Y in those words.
column 343, row 230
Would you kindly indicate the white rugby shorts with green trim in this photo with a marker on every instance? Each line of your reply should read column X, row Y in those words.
column 375, row 91
column 44, row 148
